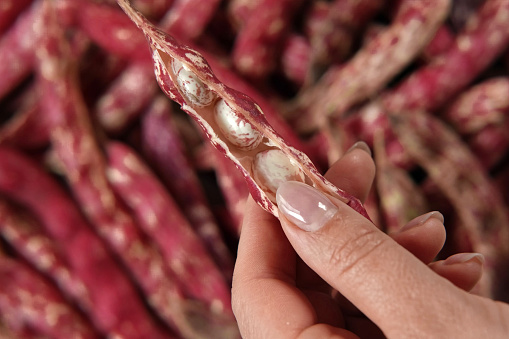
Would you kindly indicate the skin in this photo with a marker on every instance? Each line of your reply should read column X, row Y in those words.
column 290, row 283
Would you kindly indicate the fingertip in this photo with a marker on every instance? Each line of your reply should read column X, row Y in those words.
column 354, row 172
column 463, row 270
column 424, row 236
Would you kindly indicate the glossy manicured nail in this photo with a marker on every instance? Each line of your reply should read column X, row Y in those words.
column 420, row 220
column 360, row 145
column 464, row 257
column 304, row 206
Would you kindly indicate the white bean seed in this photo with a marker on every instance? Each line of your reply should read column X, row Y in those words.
column 272, row 167
column 236, row 129
column 193, row 88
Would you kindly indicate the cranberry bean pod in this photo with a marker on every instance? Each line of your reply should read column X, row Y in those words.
column 485, row 104
column 107, row 27
column 126, row 96
column 84, row 166
column 184, row 75
column 256, row 46
column 484, row 37
column 116, row 307
column 27, row 298
column 440, row 44
column 160, row 217
column 461, row 178
column 16, row 48
column 332, row 27
column 490, row 144
column 374, row 65
column 187, row 19
column 163, row 147
column 401, row 199
column 26, row 236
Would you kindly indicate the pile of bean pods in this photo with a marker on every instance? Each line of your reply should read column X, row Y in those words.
column 132, row 134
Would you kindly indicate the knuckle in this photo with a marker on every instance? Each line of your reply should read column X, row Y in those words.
column 354, row 252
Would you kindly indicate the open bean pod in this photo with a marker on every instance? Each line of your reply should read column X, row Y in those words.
column 232, row 121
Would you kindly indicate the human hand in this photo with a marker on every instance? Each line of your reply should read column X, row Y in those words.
column 341, row 277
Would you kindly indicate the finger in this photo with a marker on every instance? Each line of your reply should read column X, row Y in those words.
column 424, row 236
column 463, row 269
column 365, row 265
column 354, row 172
column 263, row 289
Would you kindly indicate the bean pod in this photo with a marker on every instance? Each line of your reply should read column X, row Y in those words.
column 199, row 93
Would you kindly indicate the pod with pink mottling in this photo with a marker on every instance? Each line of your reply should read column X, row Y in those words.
column 16, row 48
column 257, row 43
column 28, row 299
column 485, row 36
column 159, row 216
column 84, row 166
column 114, row 304
column 166, row 51
column 107, row 27
column 462, row 179
column 440, row 44
column 125, row 98
column 187, row 19
column 490, row 144
column 23, row 232
column 400, row 198
column 485, row 104
column 373, row 66
column 332, row 27
column 163, row 148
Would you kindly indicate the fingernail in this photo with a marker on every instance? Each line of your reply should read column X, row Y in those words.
column 420, row 220
column 465, row 257
column 304, row 206
column 360, row 145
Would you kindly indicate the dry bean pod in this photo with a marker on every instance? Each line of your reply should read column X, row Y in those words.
column 165, row 50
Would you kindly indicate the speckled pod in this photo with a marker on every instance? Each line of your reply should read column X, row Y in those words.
column 107, row 27
column 257, row 43
column 490, row 143
column 159, row 216
column 125, row 98
column 194, row 99
column 30, row 300
column 373, row 66
column 485, row 36
column 461, row 178
column 485, row 104
column 26, row 235
column 115, row 306
column 164, row 150
column 401, row 199
column 16, row 48
column 187, row 19
column 84, row 166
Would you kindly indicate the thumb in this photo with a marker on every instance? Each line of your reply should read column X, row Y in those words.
column 387, row 283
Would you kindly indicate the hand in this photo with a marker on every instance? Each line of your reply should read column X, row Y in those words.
column 330, row 273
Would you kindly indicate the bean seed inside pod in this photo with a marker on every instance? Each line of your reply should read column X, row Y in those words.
column 272, row 167
column 236, row 129
column 193, row 88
